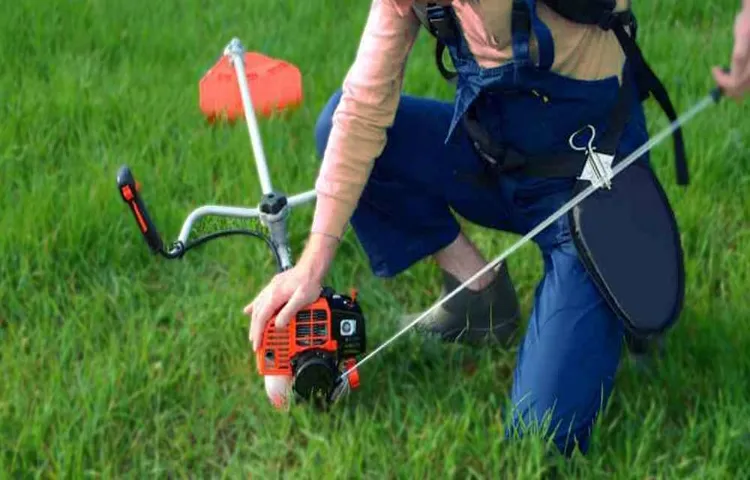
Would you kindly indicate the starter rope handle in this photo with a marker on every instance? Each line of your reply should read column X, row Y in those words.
column 596, row 183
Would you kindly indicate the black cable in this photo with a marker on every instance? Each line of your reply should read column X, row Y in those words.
column 182, row 248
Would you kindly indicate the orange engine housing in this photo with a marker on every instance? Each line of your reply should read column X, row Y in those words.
column 279, row 345
column 333, row 327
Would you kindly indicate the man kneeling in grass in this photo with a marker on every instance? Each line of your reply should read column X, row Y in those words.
column 396, row 167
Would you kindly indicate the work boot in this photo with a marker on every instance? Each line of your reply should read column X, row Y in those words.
column 489, row 315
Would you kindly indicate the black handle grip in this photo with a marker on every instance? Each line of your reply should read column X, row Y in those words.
column 717, row 93
column 129, row 191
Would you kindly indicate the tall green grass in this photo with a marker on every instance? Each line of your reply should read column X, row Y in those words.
column 118, row 364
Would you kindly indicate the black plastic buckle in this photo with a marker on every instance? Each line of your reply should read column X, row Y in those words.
column 441, row 21
column 507, row 161
column 610, row 20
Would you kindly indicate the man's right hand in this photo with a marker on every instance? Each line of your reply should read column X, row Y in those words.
column 736, row 82
column 292, row 289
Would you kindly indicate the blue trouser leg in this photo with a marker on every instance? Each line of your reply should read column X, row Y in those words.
column 571, row 350
column 570, row 353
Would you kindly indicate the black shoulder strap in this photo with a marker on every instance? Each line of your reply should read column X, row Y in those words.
column 439, row 21
column 649, row 84
column 589, row 12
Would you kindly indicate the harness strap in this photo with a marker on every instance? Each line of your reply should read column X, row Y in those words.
column 620, row 114
column 520, row 27
column 446, row 74
column 543, row 36
column 649, row 83
column 500, row 159
column 590, row 12
column 571, row 164
column 441, row 23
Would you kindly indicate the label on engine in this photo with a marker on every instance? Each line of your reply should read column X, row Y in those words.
column 348, row 327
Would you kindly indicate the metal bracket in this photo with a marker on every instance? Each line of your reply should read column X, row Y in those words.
column 598, row 167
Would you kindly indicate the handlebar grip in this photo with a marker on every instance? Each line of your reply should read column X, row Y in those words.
column 717, row 93
column 129, row 191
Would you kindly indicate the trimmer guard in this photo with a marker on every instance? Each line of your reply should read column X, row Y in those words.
column 628, row 240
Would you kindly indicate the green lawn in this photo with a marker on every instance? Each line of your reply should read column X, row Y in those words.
column 116, row 363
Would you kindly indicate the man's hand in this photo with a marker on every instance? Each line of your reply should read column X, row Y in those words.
column 291, row 290
column 736, row 83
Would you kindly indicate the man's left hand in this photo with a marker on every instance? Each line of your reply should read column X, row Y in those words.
column 736, row 82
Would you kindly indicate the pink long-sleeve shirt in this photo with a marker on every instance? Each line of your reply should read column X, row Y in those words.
column 372, row 87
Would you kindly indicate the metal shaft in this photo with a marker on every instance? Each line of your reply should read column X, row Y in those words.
column 236, row 53
column 595, row 185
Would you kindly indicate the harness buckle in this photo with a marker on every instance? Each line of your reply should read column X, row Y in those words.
column 498, row 158
column 598, row 166
column 490, row 161
column 440, row 21
column 611, row 19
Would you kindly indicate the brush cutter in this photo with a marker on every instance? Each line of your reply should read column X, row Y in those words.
column 326, row 336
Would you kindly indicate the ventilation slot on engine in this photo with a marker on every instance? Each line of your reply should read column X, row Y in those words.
column 312, row 328
column 277, row 349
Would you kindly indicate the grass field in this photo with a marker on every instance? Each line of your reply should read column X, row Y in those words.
column 118, row 364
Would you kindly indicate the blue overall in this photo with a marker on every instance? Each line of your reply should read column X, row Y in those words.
column 570, row 353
